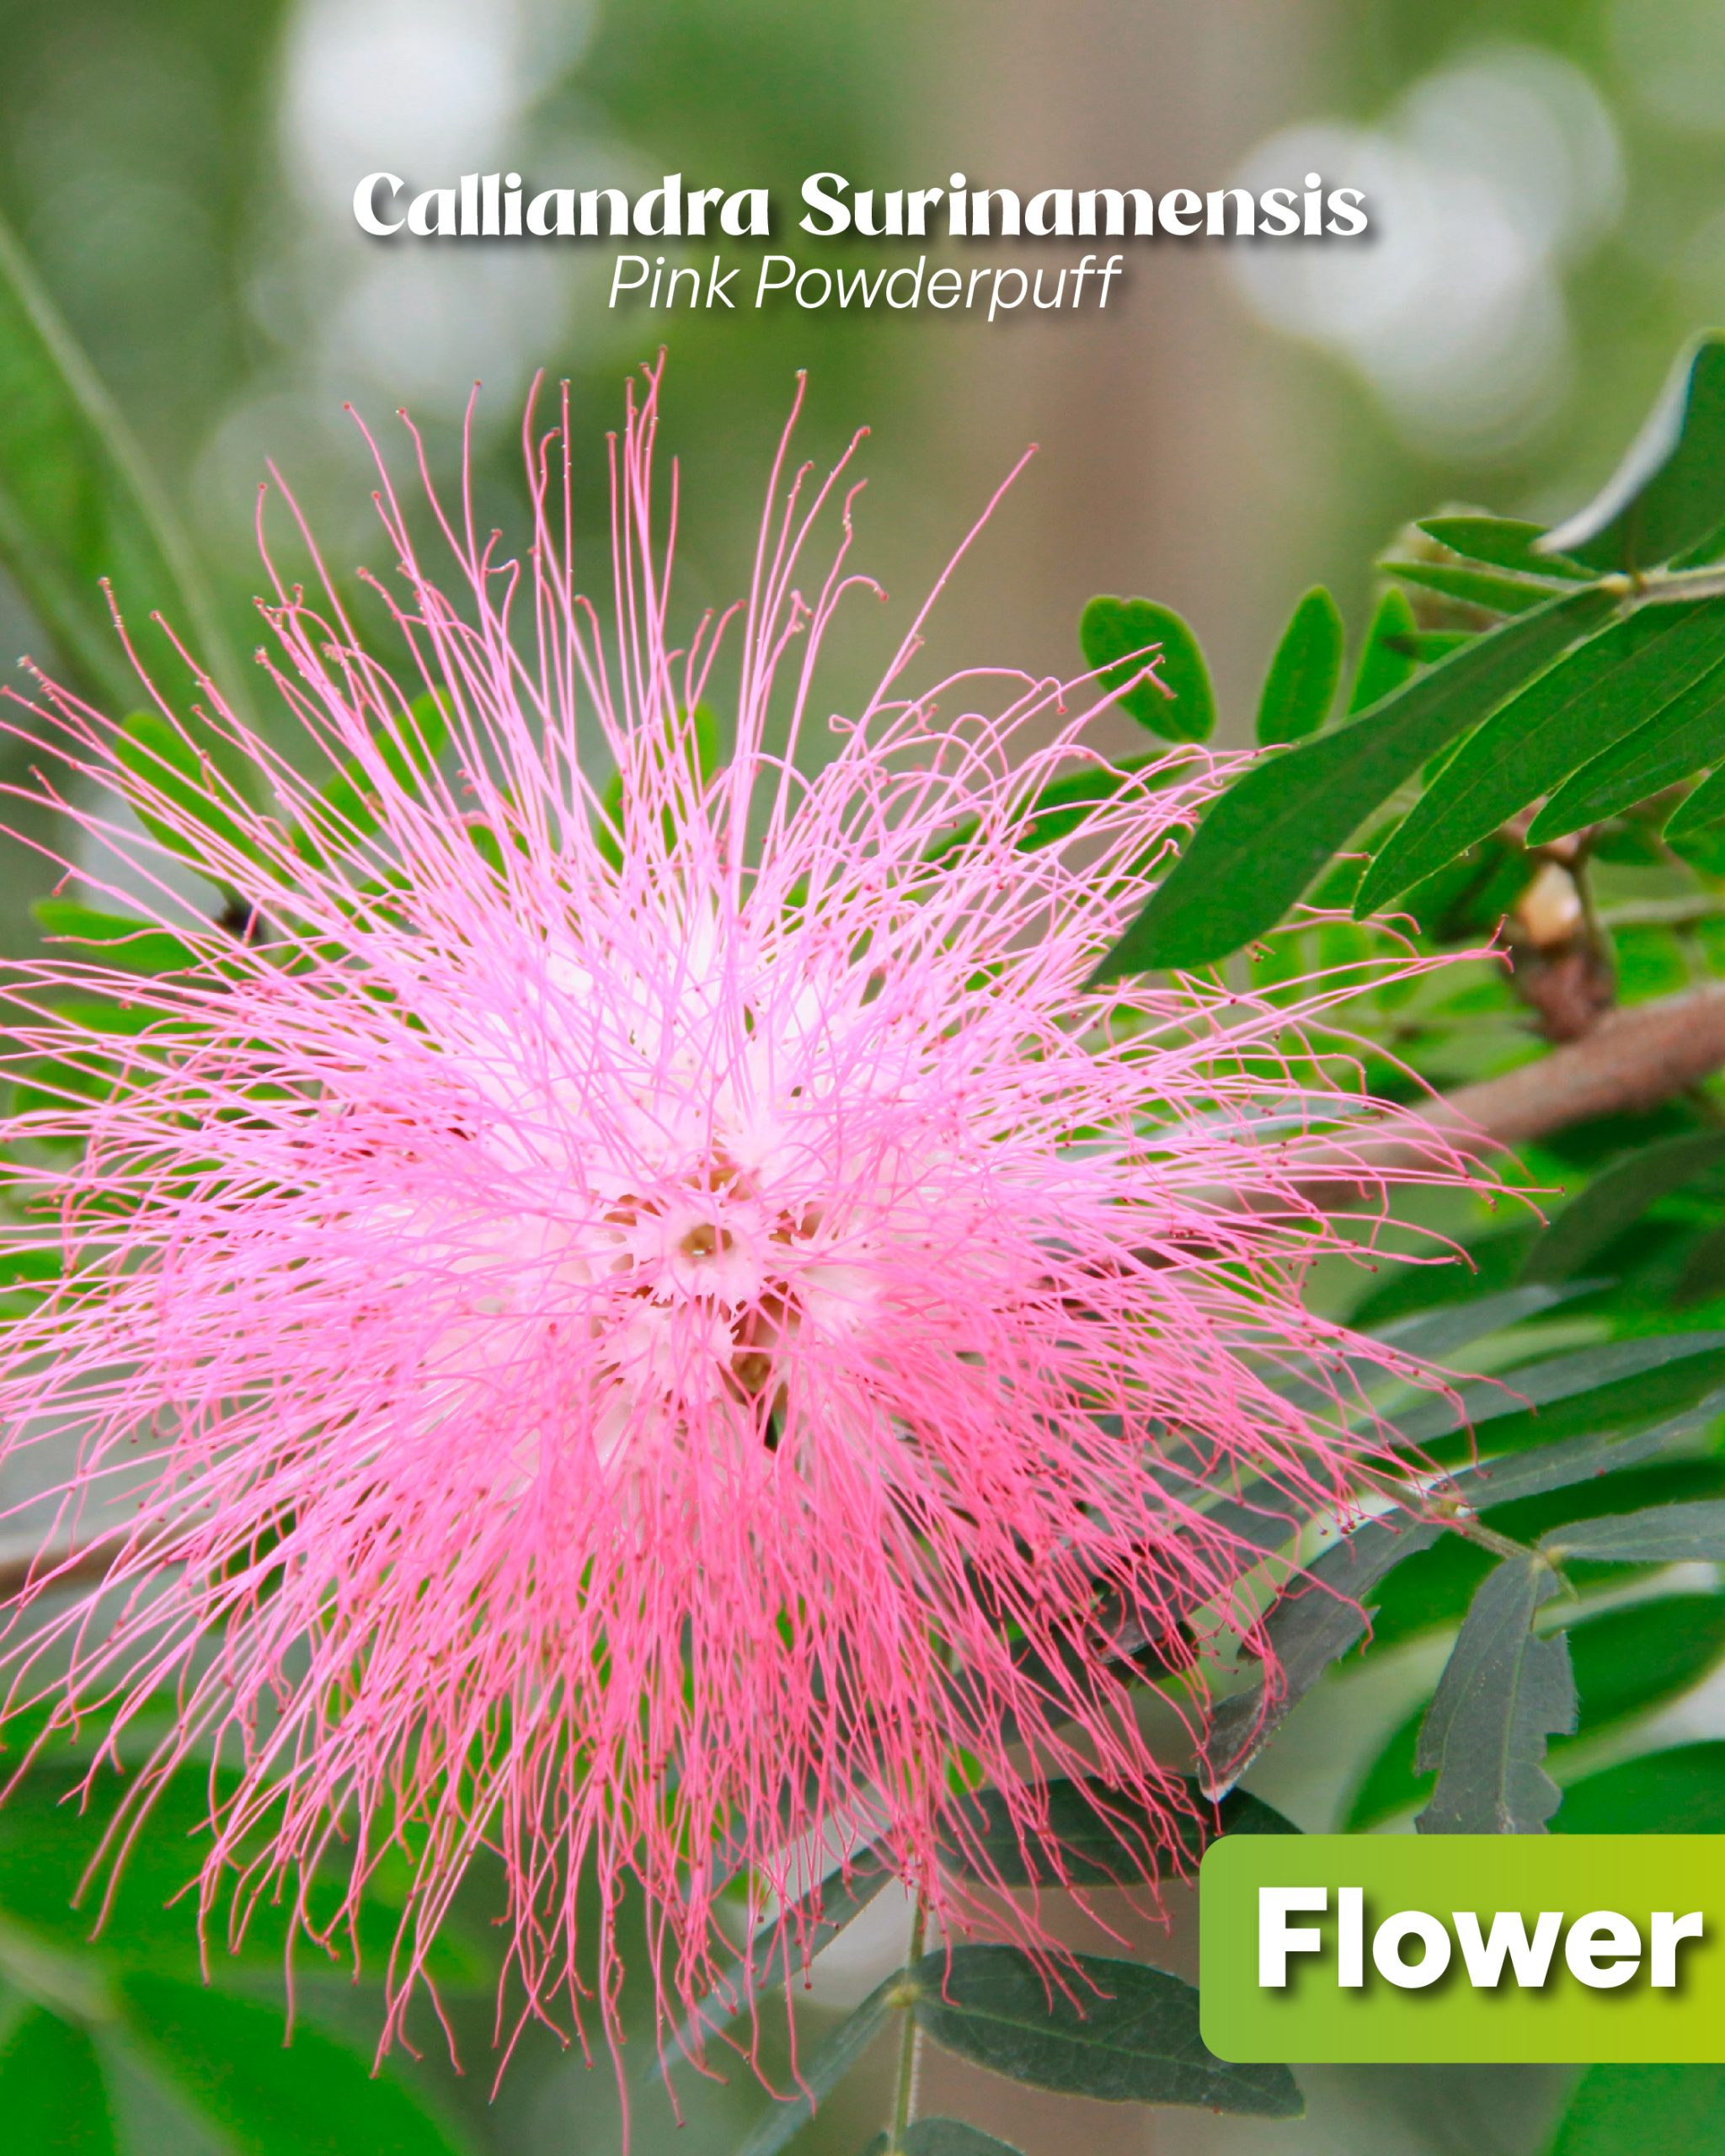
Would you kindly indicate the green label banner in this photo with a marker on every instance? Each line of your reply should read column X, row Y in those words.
column 1399, row 1949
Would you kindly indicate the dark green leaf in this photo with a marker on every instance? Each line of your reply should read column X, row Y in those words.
column 1436, row 1333
column 1498, row 594
column 1128, row 2035
column 1675, row 740
column 1630, row 2111
column 1117, row 634
column 1274, row 829
column 1703, row 1275
column 1467, row 899
column 1505, row 541
column 1617, row 1197
column 822, row 2071
column 1668, row 496
column 313, row 2098
column 53, row 2096
column 1387, row 657
column 941, row 2137
column 1517, row 1477
column 1103, row 1838
column 1300, row 686
column 1663, row 1535
column 951, row 2138
column 1503, row 1692
column 1582, row 704
column 1703, row 811
column 1679, row 1791
column 1587, row 1371
column 128, row 945
column 1627, row 1662
column 1320, row 1619
column 1428, row 646
column 1429, row 1337
column 78, row 502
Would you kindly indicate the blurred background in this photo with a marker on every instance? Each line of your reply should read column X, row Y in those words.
column 1548, row 221
column 1546, row 180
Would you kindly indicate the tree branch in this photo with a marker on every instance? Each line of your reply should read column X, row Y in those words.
column 1630, row 1061
column 53, row 1568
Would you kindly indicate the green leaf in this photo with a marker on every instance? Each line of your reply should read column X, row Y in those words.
column 53, row 2094
column 313, row 2098
column 1629, row 2110
column 1300, row 686
column 1663, row 1535
column 346, row 807
column 1436, row 1333
column 411, row 742
column 1116, row 635
column 1580, row 705
column 1387, row 657
column 128, row 945
column 1104, row 1837
column 1627, row 1662
column 1129, row 2035
column 1677, row 1791
column 1667, row 497
column 1274, row 829
column 50, row 1831
column 165, row 759
column 951, row 2138
column 1677, row 740
column 821, row 2072
column 1428, row 646
column 1516, row 1476
column 78, row 502
column 1317, row 1621
column 1617, row 1197
column 1704, row 811
column 1498, row 594
column 1503, row 1692
column 1505, row 541
column 1703, row 1275
column 1063, row 805
column 1589, row 1371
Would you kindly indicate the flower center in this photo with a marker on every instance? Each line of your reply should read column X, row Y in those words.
column 717, row 1268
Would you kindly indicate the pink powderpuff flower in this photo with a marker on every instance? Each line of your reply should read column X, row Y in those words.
column 613, row 1321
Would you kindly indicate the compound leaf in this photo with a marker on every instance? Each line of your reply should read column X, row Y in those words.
column 1275, row 827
